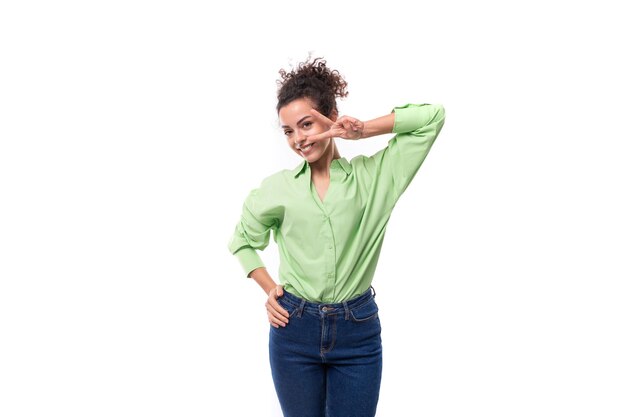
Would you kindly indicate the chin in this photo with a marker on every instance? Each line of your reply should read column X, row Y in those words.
column 312, row 157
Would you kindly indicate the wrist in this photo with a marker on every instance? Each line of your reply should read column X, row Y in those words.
column 378, row 126
column 263, row 278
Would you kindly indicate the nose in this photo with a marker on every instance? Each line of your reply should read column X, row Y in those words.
column 300, row 140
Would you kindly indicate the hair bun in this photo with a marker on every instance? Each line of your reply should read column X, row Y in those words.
column 314, row 80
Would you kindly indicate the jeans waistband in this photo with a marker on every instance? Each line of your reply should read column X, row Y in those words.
column 327, row 308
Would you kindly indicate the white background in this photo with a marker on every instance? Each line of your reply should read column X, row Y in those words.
column 132, row 131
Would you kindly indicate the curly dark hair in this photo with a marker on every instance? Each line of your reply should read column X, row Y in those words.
column 315, row 81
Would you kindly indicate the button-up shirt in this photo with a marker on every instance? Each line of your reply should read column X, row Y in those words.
column 329, row 249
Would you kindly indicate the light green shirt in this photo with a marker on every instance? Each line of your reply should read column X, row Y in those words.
column 329, row 249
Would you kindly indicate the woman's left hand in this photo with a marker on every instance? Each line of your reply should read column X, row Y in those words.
column 344, row 127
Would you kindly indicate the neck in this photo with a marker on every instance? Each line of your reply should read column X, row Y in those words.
column 321, row 167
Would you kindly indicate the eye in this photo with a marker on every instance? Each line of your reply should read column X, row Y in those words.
column 306, row 124
column 288, row 132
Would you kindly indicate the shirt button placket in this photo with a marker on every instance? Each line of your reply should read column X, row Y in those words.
column 330, row 256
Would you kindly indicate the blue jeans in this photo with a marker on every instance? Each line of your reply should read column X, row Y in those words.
column 327, row 361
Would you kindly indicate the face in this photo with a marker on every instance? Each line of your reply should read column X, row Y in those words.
column 298, row 123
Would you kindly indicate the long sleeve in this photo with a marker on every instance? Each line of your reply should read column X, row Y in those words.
column 416, row 127
column 252, row 233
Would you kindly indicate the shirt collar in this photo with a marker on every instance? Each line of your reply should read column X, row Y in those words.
column 342, row 162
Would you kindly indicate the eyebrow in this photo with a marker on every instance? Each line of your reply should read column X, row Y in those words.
column 299, row 121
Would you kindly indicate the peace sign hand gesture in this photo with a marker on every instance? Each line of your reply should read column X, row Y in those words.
column 344, row 127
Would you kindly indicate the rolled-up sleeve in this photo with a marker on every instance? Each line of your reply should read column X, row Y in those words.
column 252, row 233
column 416, row 126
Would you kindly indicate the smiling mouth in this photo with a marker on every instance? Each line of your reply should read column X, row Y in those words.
column 306, row 148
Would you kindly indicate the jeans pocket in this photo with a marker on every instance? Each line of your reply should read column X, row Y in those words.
column 287, row 306
column 364, row 312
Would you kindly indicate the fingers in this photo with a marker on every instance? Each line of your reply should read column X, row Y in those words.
column 345, row 127
column 325, row 120
column 276, row 321
column 320, row 136
column 349, row 123
column 276, row 314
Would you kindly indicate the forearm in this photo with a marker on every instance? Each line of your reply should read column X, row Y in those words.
column 378, row 126
column 263, row 278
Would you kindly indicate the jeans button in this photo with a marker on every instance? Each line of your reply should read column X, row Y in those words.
column 324, row 309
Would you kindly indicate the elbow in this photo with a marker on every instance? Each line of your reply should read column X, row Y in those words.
column 439, row 117
column 439, row 113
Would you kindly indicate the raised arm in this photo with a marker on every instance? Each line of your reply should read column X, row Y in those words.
column 416, row 126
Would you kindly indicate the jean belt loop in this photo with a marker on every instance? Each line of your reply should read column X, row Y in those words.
column 346, row 310
column 301, row 308
column 373, row 295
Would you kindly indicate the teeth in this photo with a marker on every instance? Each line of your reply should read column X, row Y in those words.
column 307, row 147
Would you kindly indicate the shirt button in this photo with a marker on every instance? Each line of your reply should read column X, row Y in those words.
column 330, row 246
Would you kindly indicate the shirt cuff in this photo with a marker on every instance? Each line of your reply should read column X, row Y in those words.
column 411, row 117
column 249, row 260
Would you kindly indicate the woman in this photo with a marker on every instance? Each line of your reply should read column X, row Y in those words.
column 329, row 217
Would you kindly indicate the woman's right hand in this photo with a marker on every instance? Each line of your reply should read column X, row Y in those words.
column 345, row 127
column 277, row 315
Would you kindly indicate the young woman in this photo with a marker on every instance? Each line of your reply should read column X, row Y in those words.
column 329, row 217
